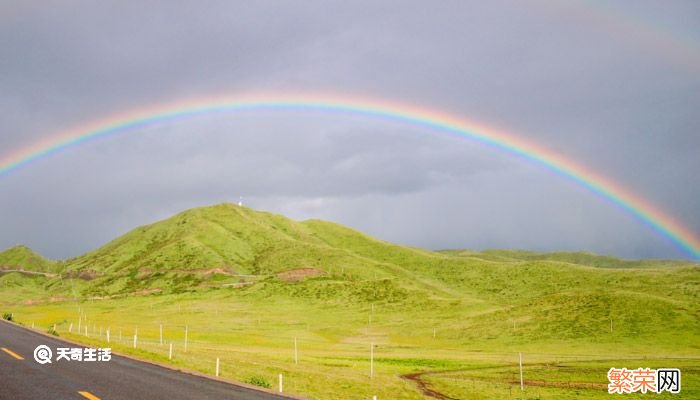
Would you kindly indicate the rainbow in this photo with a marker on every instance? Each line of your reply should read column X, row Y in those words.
column 621, row 24
column 644, row 211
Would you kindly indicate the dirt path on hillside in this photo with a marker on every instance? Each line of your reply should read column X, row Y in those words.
column 429, row 391
column 21, row 271
column 424, row 387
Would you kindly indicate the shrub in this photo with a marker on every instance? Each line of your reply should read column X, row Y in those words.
column 258, row 380
column 7, row 316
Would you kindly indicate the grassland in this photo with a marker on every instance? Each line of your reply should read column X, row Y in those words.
column 453, row 321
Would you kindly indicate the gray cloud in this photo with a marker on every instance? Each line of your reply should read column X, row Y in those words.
column 614, row 87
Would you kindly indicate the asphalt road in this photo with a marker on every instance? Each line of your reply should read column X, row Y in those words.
column 120, row 378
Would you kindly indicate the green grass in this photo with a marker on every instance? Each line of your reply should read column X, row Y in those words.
column 462, row 316
column 22, row 257
column 564, row 379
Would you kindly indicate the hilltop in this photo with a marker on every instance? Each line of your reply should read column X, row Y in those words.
column 226, row 244
column 23, row 258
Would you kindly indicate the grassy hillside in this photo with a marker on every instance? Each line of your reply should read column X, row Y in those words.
column 246, row 283
column 223, row 243
column 24, row 258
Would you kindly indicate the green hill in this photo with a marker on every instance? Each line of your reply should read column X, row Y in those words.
column 230, row 245
column 24, row 258
column 252, row 281
column 270, row 255
column 236, row 246
column 222, row 244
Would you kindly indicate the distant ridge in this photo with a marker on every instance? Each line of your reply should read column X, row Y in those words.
column 23, row 258
column 572, row 257
column 228, row 245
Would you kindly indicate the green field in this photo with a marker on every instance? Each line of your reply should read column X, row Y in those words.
column 448, row 324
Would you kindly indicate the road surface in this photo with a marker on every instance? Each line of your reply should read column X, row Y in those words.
column 21, row 377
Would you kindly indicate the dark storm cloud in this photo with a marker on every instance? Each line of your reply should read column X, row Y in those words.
column 579, row 78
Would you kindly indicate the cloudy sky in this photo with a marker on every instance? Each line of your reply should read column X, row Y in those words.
column 613, row 85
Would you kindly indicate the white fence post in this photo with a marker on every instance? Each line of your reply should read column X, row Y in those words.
column 136, row 333
column 170, row 354
column 280, row 383
column 296, row 353
column 86, row 333
column 217, row 366
column 107, row 335
column 186, row 330
column 161, row 334
column 521, row 372
column 70, row 328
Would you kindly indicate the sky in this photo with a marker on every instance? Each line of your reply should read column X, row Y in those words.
column 614, row 86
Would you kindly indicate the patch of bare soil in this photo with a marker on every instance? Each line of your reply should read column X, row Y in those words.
column 424, row 387
column 297, row 274
column 86, row 275
column 211, row 271
column 219, row 285
column 23, row 272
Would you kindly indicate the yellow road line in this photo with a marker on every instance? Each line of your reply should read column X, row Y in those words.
column 89, row 395
column 12, row 353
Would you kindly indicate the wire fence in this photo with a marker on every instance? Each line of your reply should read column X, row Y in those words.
column 362, row 361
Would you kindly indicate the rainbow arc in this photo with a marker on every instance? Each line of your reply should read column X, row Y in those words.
column 635, row 205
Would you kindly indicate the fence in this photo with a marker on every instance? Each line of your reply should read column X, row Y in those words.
column 299, row 364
